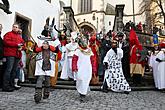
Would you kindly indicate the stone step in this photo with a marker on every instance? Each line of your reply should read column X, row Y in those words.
column 93, row 88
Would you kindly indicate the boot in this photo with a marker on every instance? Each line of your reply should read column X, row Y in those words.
column 82, row 98
column 7, row 87
column 16, row 84
column 38, row 95
column 46, row 93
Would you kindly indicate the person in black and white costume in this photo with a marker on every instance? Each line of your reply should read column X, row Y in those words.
column 113, row 77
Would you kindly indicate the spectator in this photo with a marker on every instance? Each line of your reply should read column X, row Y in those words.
column 155, row 30
column 13, row 44
column 1, row 56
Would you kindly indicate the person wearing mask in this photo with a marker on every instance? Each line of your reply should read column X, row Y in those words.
column 114, row 77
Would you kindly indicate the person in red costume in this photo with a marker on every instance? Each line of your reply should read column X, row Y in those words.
column 136, row 66
column 13, row 44
column 82, row 67
column 94, row 58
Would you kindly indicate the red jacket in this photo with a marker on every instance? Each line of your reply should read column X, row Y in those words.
column 11, row 41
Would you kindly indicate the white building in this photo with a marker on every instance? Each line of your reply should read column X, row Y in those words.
column 98, row 15
column 31, row 14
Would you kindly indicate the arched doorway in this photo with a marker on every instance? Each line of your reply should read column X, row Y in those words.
column 87, row 27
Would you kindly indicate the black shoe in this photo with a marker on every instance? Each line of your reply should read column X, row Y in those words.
column 17, row 87
column 38, row 95
column 46, row 93
column 104, row 90
column 82, row 98
column 126, row 92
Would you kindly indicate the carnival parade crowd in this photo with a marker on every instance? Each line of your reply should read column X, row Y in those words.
column 86, row 58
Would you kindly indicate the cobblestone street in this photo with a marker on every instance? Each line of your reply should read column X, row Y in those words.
column 96, row 100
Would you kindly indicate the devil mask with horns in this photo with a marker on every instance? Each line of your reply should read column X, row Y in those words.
column 47, row 33
column 62, row 34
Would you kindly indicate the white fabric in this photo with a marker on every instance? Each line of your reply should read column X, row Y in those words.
column 74, row 35
column 23, row 58
column 154, row 64
column 114, row 75
column 53, row 43
column 120, row 44
column 84, row 74
column 161, row 70
column 39, row 71
column 63, row 56
column 67, row 66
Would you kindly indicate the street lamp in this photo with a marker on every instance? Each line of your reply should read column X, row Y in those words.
column 97, row 23
column 133, row 11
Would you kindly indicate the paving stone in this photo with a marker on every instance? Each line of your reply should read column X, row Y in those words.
column 61, row 99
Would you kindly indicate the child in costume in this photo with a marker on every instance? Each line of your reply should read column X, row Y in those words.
column 45, row 61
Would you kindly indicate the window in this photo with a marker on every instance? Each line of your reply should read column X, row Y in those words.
column 85, row 6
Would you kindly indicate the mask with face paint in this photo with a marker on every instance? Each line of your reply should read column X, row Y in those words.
column 83, row 42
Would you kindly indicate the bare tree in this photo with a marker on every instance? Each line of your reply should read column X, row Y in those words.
column 154, row 10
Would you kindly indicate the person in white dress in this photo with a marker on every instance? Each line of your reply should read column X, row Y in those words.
column 70, row 50
column 160, row 58
column 82, row 67
column 154, row 64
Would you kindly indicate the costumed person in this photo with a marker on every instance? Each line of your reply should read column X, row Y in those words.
column 82, row 67
column 63, row 41
column 114, row 77
column 30, row 61
column 45, row 61
column 123, row 43
column 94, row 58
column 48, row 34
column 60, row 56
column 104, row 48
column 154, row 64
column 160, row 58
column 136, row 66
column 70, row 49
column 13, row 45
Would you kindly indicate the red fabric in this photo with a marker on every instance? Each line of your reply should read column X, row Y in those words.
column 11, row 41
column 94, row 65
column 134, row 56
column 133, row 39
column 59, row 55
column 162, row 44
column 74, row 63
column 94, row 59
column 92, row 39
column 98, row 43
column 39, row 49
column 135, row 46
column 140, row 26
column 63, row 42
column 52, row 48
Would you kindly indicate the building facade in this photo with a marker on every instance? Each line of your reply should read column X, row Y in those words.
column 98, row 15
column 31, row 14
